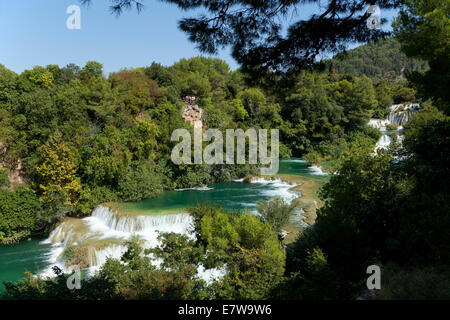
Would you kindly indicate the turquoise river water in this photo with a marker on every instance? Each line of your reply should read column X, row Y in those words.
column 35, row 255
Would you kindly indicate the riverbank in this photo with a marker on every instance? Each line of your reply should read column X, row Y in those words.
column 307, row 186
column 101, row 234
column 127, row 209
column 309, row 200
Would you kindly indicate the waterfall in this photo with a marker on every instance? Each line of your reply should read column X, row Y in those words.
column 383, row 142
column 98, row 257
column 317, row 171
column 139, row 224
column 378, row 123
column 399, row 114
column 103, row 234
column 276, row 187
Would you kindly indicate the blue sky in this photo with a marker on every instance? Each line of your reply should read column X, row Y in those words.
column 35, row 33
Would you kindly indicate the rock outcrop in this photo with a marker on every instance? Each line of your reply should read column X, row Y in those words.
column 15, row 175
column 192, row 112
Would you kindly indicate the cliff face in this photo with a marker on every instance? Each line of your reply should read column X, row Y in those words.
column 15, row 177
column 192, row 112
column 14, row 174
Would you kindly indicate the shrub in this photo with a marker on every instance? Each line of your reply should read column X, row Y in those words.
column 276, row 211
column 312, row 158
column 430, row 283
column 4, row 181
column 404, row 95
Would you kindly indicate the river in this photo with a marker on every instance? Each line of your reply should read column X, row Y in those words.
column 40, row 254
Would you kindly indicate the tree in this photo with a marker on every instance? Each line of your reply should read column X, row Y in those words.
column 379, row 60
column 56, row 174
column 404, row 95
column 358, row 99
column 245, row 245
column 18, row 211
column 177, row 251
column 255, row 29
column 136, row 91
column 276, row 211
column 315, row 281
column 253, row 101
column 4, row 180
column 422, row 28
column 40, row 76
column 91, row 69
column 145, row 181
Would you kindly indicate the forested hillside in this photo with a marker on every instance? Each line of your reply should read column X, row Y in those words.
column 77, row 138
column 378, row 60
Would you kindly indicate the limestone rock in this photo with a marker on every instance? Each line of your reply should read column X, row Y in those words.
column 192, row 112
column 15, row 175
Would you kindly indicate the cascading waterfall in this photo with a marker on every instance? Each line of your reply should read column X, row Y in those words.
column 98, row 257
column 399, row 115
column 277, row 188
column 317, row 171
column 378, row 123
column 90, row 241
column 103, row 217
column 104, row 233
column 383, row 142
column 300, row 166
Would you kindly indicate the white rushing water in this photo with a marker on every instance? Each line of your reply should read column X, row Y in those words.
column 113, row 229
column 317, row 170
column 399, row 114
column 103, row 234
column 203, row 188
column 383, row 142
column 378, row 123
column 277, row 187
column 313, row 170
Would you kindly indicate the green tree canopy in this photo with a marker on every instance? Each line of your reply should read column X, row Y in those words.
column 262, row 33
column 423, row 28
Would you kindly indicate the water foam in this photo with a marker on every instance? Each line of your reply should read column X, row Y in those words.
column 294, row 160
column 317, row 170
column 111, row 230
column 106, row 225
column 204, row 188
column 277, row 187
column 399, row 114
column 383, row 142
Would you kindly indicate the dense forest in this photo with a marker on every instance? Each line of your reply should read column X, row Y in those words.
column 75, row 138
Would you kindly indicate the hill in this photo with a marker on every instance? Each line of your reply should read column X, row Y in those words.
column 378, row 60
